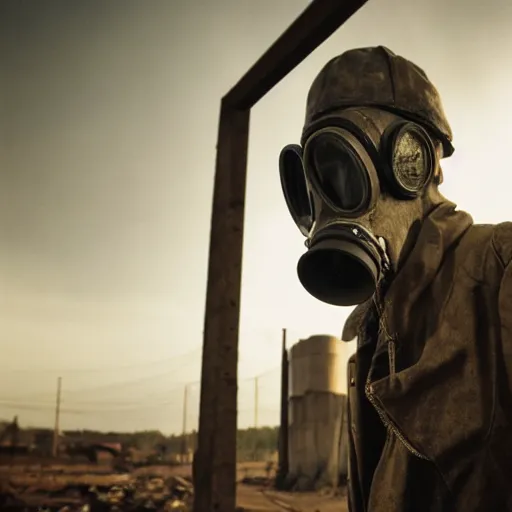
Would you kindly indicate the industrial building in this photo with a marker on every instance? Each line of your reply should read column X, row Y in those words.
column 318, row 427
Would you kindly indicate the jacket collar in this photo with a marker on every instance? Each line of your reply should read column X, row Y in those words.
column 440, row 230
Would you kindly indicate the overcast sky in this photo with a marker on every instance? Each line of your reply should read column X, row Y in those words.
column 108, row 125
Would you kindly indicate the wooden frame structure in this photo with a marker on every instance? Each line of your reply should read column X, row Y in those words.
column 215, row 461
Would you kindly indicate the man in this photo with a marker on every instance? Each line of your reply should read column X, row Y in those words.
column 430, row 400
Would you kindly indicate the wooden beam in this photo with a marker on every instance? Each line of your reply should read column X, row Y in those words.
column 216, row 455
column 215, row 458
column 316, row 24
column 284, row 427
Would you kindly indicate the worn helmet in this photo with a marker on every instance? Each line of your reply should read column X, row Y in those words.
column 376, row 77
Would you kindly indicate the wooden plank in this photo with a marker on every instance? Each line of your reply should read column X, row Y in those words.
column 216, row 455
column 284, row 456
column 316, row 24
column 215, row 460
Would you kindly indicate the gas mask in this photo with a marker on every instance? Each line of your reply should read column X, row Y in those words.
column 348, row 162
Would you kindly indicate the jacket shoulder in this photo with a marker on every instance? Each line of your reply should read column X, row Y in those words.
column 502, row 242
column 484, row 248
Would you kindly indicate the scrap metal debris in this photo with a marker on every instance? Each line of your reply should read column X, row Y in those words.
column 135, row 494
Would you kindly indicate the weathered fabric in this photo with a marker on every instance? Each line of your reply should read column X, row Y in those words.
column 435, row 357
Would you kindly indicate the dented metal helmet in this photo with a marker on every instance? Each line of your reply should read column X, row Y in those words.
column 376, row 77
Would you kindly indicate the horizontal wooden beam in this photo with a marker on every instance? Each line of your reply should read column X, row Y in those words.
column 317, row 22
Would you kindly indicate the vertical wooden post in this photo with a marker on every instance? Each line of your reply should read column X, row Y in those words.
column 184, row 443
column 215, row 460
column 216, row 452
column 256, row 401
column 55, row 444
column 284, row 427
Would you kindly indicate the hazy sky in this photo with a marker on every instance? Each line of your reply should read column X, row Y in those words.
column 108, row 125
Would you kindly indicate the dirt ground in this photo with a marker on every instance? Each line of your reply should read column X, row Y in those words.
column 252, row 497
column 256, row 498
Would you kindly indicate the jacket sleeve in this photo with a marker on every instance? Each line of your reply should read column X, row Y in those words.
column 502, row 245
column 505, row 311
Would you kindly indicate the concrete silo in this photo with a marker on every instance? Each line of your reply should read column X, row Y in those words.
column 317, row 411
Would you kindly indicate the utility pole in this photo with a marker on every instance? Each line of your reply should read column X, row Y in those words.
column 184, row 444
column 215, row 475
column 57, row 418
column 256, row 404
column 283, row 428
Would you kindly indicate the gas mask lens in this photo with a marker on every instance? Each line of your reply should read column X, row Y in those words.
column 295, row 188
column 412, row 160
column 339, row 174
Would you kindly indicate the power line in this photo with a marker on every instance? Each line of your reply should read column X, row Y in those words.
column 50, row 403
column 126, row 383
column 166, row 360
column 76, row 395
column 105, row 387
column 70, row 407
column 71, row 410
column 122, row 384
column 76, row 407
column 262, row 374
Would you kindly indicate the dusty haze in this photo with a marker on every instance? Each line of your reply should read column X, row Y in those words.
column 108, row 121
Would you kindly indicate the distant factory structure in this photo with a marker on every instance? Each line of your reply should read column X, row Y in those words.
column 317, row 412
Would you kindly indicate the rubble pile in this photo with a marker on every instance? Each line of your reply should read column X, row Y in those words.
column 134, row 494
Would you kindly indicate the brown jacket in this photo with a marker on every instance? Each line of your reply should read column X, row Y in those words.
column 430, row 387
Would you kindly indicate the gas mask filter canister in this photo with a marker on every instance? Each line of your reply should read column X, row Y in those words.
column 333, row 185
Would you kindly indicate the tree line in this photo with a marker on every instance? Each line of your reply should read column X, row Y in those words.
column 252, row 443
